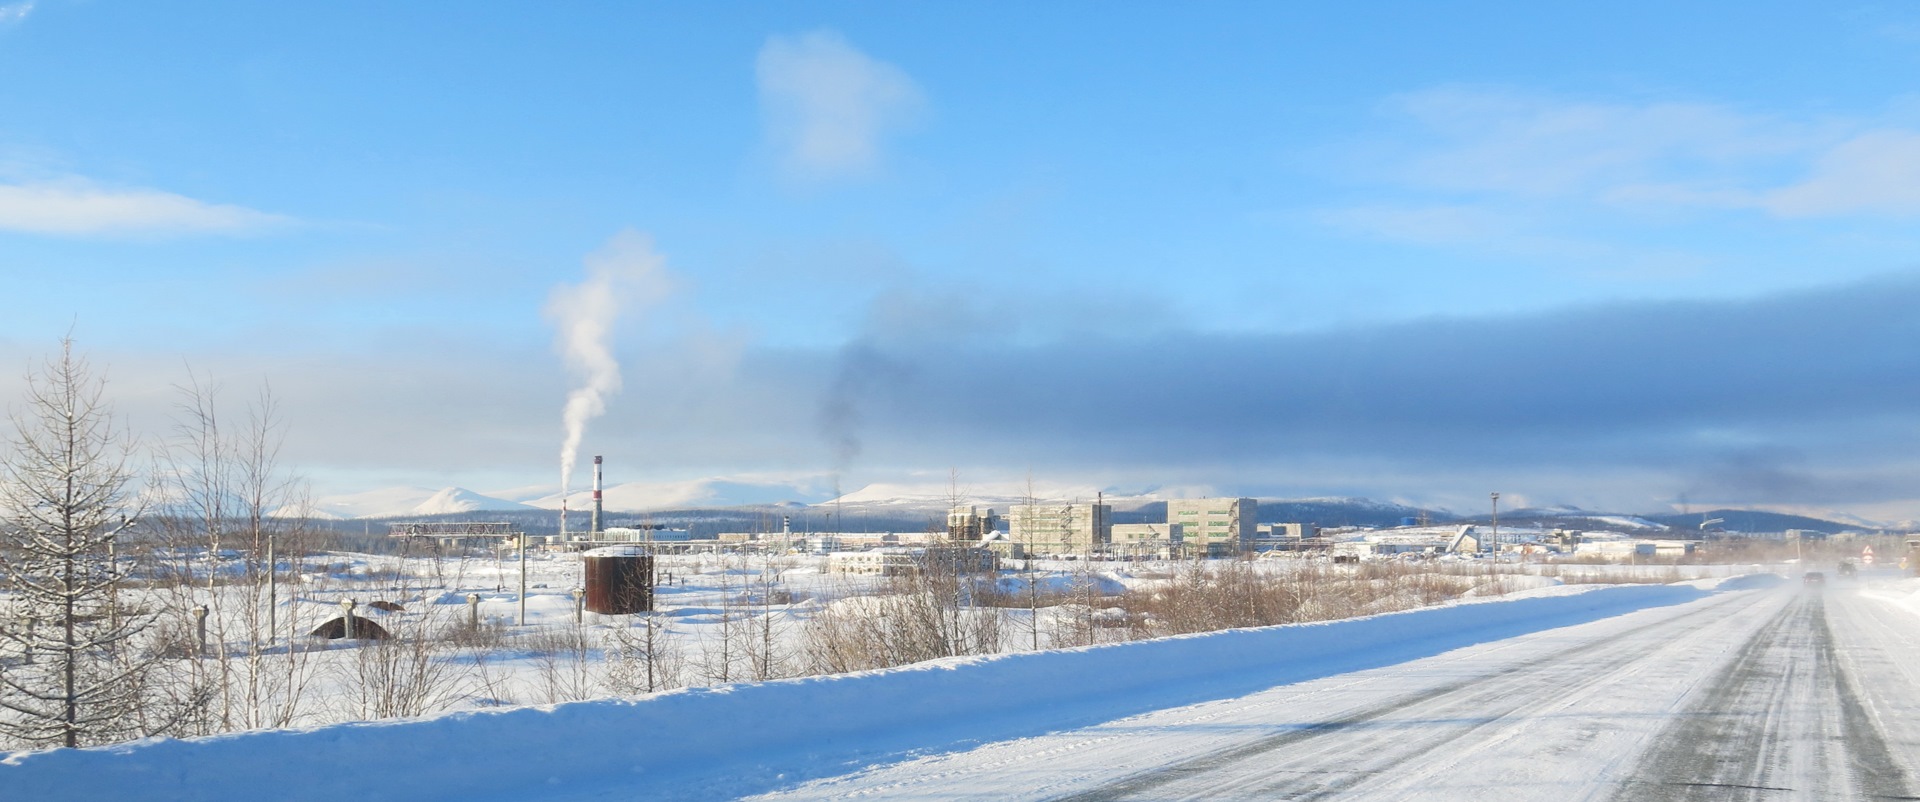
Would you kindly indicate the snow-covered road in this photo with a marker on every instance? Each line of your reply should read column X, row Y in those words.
column 1788, row 693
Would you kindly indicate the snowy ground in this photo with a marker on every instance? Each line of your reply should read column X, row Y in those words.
column 697, row 596
column 743, row 739
column 1596, row 682
column 1788, row 693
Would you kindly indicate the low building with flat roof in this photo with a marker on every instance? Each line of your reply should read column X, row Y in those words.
column 1145, row 540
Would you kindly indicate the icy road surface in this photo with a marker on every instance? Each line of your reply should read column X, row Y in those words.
column 1778, row 694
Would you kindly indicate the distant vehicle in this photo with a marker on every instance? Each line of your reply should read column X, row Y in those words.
column 1846, row 568
column 1814, row 578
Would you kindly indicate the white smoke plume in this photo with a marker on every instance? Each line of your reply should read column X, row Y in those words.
column 624, row 275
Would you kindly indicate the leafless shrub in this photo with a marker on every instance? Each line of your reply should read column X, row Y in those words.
column 723, row 652
column 408, row 674
column 483, row 636
column 1203, row 596
column 644, row 658
column 567, row 663
column 768, row 653
column 922, row 616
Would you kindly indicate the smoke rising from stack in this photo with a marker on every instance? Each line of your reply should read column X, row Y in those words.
column 624, row 275
column 860, row 371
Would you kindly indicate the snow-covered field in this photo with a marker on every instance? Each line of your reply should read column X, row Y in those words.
column 1776, row 692
column 721, row 619
column 546, row 710
column 733, row 740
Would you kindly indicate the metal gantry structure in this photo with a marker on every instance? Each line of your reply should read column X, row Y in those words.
column 440, row 529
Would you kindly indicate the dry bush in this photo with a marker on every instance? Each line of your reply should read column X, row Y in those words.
column 1205, row 596
column 923, row 616
column 405, row 675
column 566, row 662
column 723, row 652
column 644, row 658
column 486, row 636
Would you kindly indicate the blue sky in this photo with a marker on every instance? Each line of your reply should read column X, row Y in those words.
column 1407, row 251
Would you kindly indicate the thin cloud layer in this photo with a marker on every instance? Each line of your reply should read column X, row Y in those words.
column 1877, row 173
column 1501, row 172
column 75, row 207
column 15, row 13
column 827, row 106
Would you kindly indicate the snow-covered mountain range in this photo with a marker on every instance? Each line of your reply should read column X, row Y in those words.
column 627, row 497
column 395, row 502
column 916, row 497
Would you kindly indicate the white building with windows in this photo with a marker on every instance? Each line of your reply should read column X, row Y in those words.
column 1214, row 527
column 1048, row 529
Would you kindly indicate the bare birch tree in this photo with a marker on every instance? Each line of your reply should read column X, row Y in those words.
column 228, row 506
column 723, row 652
column 768, row 652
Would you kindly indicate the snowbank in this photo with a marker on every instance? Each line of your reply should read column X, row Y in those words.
column 730, row 741
column 1902, row 593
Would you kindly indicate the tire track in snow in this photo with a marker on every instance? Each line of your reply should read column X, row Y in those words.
column 1385, row 739
column 1782, row 720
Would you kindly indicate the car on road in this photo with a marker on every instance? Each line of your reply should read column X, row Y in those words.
column 1814, row 578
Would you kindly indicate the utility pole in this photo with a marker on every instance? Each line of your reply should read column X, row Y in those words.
column 273, row 591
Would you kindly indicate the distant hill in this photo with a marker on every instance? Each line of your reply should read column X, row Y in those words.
column 713, row 506
column 1345, row 512
column 409, row 501
column 1576, row 518
column 1751, row 521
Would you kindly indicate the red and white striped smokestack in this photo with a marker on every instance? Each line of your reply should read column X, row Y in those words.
column 596, row 495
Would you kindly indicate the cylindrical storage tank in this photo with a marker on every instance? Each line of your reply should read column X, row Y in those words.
column 619, row 580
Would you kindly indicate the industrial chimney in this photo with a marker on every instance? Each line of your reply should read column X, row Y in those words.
column 596, row 498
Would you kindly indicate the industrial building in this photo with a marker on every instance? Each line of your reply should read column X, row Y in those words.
column 1214, row 527
column 634, row 536
column 898, row 561
column 1286, row 537
column 1289, row 531
column 1048, row 529
column 969, row 524
column 876, row 562
column 1158, row 541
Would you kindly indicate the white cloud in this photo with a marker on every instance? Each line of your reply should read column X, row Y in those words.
column 75, row 207
column 1510, row 232
column 827, row 105
column 1511, row 144
column 15, row 13
column 1424, row 225
column 1522, row 174
column 1877, row 172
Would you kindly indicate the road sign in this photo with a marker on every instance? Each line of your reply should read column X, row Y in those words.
column 1866, row 555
